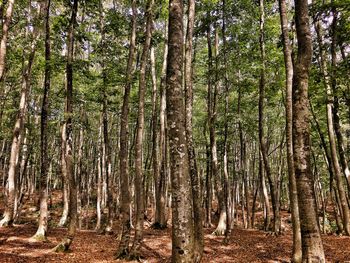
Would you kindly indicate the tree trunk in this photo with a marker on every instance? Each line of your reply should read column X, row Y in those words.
column 293, row 196
column 160, row 221
column 139, row 173
column 42, row 228
column 265, row 197
column 312, row 248
column 208, row 184
column 123, row 249
column 227, row 185
column 262, row 140
column 72, row 211
column 107, row 161
column 197, row 208
column 211, row 101
column 155, row 133
column 182, row 221
column 100, row 161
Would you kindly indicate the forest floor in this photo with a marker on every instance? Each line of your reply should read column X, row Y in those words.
column 89, row 246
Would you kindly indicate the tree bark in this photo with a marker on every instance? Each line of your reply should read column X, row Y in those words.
column 262, row 140
column 107, row 161
column 42, row 228
column 72, row 211
column 182, row 221
column 211, row 101
column 312, row 248
column 139, row 173
column 227, row 185
column 65, row 188
column 293, row 196
column 123, row 249
column 197, row 208
column 155, row 132
column 160, row 221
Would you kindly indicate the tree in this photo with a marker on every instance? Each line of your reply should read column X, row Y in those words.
column 212, row 116
column 123, row 249
column 312, row 248
column 107, row 162
column 43, row 219
column 227, row 184
column 262, row 140
column 160, row 220
column 183, row 232
column 197, row 208
column 72, row 212
column 139, row 191
column 293, row 197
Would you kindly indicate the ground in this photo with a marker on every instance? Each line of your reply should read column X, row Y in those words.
column 89, row 246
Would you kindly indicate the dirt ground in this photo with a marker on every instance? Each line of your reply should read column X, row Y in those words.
column 89, row 246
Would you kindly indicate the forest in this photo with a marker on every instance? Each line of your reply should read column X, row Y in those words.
column 175, row 131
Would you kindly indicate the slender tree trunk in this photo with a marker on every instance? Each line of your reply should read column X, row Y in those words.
column 227, row 185
column 123, row 249
column 80, row 175
column 182, row 221
column 267, row 211
column 72, row 211
column 197, row 208
column 65, row 188
column 160, row 221
column 139, row 173
column 262, row 140
column 293, row 196
column 42, row 228
column 107, row 161
column 211, row 101
column 312, row 248
column 100, row 161
column 3, row 43
column 155, row 133
column 208, row 184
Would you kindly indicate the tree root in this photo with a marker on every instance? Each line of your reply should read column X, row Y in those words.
column 135, row 256
column 271, row 233
column 159, row 226
column 219, row 231
column 39, row 238
column 60, row 248
column 123, row 254
column 6, row 223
